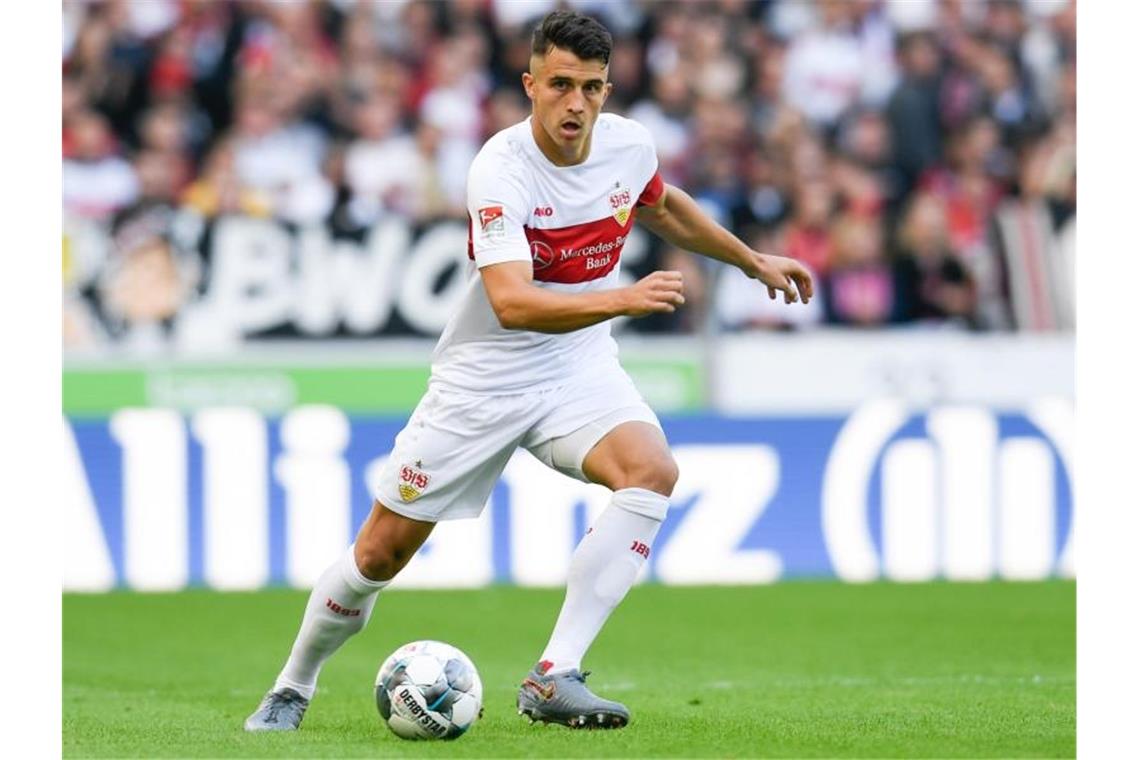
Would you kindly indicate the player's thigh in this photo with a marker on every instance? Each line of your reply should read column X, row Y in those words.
column 446, row 460
column 592, row 410
column 632, row 454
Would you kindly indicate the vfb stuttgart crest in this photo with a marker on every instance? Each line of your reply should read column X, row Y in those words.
column 413, row 481
column 621, row 203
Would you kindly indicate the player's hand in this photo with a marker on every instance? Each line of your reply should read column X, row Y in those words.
column 654, row 293
column 780, row 273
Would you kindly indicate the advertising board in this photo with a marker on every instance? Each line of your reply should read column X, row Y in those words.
column 231, row 497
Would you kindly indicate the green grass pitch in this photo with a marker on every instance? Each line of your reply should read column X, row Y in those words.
column 797, row 669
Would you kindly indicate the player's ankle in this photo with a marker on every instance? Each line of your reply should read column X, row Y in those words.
column 549, row 667
column 305, row 690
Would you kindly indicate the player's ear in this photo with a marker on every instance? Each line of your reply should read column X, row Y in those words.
column 528, row 84
column 606, row 92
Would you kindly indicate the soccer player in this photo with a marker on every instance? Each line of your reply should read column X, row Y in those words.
column 527, row 360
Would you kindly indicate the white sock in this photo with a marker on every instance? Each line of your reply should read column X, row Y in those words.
column 603, row 568
column 339, row 606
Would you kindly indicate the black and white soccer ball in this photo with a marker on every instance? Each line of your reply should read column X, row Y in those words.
column 428, row 690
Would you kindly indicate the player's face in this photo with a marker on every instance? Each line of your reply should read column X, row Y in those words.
column 567, row 94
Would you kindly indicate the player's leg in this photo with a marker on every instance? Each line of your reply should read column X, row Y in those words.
column 342, row 600
column 627, row 452
column 443, row 466
column 632, row 460
column 339, row 607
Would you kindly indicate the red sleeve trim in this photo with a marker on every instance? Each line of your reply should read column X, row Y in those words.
column 470, row 240
column 653, row 191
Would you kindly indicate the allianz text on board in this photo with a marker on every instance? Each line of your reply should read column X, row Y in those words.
column 231, row 499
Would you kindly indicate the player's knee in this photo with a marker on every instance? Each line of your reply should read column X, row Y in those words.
column 378, row 562
column 667, row 475
column 658, row 475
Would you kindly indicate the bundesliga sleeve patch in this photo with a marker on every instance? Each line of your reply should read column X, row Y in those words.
column 491, row 221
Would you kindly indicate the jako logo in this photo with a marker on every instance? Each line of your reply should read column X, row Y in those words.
column 543, row 211
column 962, row 503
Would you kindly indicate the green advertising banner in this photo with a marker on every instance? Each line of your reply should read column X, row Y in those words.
column 273, row 388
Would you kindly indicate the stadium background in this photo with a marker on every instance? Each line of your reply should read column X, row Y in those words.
column 264, row 229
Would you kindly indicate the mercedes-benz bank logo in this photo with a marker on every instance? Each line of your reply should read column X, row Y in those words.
column 962, row 503
column 541, row 254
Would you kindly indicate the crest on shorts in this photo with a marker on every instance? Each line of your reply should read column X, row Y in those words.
column 413, row 481
column 621, row 203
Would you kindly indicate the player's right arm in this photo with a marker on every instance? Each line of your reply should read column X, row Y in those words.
column 498, row 201
column 519, row 304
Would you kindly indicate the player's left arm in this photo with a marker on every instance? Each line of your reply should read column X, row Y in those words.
column 678, row 219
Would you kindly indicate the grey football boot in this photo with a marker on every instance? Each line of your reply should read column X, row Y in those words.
column 563, row 698
column 279, row 711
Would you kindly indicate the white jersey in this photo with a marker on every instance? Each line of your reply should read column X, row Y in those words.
column 570, row 222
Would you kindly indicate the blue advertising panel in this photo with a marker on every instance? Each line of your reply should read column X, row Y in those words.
column 231, row 499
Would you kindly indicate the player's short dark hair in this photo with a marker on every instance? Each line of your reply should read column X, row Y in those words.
column 569, row 30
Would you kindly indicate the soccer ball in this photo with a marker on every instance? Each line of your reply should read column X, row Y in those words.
column 428, row 690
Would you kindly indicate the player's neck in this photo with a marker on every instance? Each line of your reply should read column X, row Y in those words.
column 551, row 150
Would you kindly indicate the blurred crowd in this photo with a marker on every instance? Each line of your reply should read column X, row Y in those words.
column 917, row 155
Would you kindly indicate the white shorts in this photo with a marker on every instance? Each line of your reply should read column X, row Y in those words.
column 448, row 457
